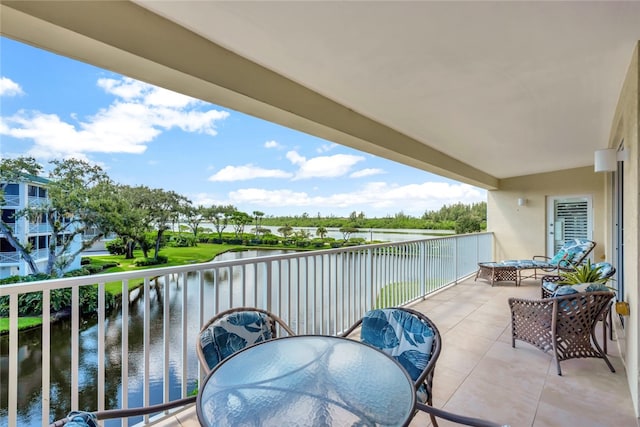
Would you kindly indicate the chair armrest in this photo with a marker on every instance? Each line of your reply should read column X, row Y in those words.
column 541, row 258
column 350, row 329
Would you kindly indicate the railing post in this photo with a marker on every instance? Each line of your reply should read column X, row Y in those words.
column 267, row 288
column 371, row 296
column 13, row 360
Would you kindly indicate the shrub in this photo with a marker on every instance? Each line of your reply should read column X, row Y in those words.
column 270, row 241
column 182, row 241
column 116, row 247
column 109, row 264
column 93, row 269
column 143, row 262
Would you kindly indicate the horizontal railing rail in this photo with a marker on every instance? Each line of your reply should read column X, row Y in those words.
column 147, row 343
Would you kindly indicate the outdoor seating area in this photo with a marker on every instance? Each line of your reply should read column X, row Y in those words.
column 572, row 252
column 479, row 373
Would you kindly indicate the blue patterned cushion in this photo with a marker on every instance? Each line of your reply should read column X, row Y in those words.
column 233, row 333
column 402, row 336
column 550, row 286
column 572, row 250
column 606, row 270
column 582, row 287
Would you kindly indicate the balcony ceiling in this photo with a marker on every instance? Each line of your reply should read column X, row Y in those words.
column 475, row 91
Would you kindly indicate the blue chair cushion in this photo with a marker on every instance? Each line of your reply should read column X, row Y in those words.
column 402, row 336
column 573, row 249
column 606, row 270
column 81, row 419
column 582, row 287
column 233, row 333
column 550, row 286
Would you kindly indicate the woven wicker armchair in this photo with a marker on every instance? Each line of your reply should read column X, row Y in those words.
column 565, row 325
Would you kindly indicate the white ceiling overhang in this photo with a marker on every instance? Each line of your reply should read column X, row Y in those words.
column 475, row 91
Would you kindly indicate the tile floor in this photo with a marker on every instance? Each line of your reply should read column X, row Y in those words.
column 480, row 375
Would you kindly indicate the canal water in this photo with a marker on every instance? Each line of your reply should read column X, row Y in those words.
column 30, row 354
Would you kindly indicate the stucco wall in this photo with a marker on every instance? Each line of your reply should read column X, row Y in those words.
column 521, row 231
column 625, row 128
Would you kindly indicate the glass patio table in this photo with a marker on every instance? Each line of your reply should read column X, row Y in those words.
column 307, row 380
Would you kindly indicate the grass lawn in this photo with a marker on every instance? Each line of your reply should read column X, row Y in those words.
column 23, row 323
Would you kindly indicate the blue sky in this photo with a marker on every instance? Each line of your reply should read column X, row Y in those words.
column 53, row 107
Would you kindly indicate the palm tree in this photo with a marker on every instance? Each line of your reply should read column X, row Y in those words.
column 321, row 231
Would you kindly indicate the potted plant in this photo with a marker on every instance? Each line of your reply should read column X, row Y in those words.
column 583, row 273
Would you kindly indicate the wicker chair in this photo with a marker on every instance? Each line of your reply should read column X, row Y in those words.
column 234, row 329
column 408, row 336
column 549, row 284
column 565, row 325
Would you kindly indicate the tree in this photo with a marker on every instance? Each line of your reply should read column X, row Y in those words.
column 164, row 208
column 13, row 171
column 194, row 216
column 468, row 223
column 286, row 230
column 239, row 220
column 257, row 215
column 347, row 231
column 131, row 222
column 78, row 202
column 219, row 216
column 321, row 232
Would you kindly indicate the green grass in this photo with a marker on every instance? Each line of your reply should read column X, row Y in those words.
column 395, row 294
column 23, row 323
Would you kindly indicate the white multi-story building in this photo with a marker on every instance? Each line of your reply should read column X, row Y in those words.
column 36, row 233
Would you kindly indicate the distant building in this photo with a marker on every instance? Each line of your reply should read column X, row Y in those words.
column 37, row 233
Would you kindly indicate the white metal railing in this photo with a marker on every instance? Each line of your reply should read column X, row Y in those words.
column 39, row 227
column 149, row 344
column 9, row 258
column 11, row 200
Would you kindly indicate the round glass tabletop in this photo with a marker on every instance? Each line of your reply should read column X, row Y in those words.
column 307, row 380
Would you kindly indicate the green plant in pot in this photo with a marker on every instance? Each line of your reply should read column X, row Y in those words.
column 583, row 273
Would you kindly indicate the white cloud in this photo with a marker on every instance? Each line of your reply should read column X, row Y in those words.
column 326, row 147
column 9, row 88
column 126, row 126
column 323, row 166
column 374, row 199
column 206, row 199
column 366, row 172
column 246, row 172
column 273, row 144
column 129, row 89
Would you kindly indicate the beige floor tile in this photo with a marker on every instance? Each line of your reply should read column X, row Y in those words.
column 480, row 375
